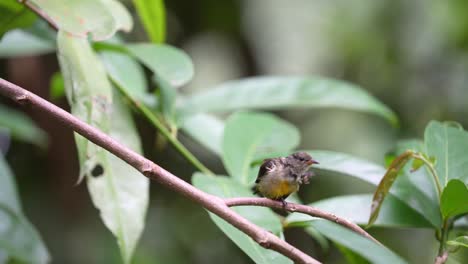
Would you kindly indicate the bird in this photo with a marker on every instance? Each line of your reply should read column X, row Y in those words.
column 279, row 177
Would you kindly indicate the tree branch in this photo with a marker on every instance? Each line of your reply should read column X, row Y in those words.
column 151, row 170
column 293, row 207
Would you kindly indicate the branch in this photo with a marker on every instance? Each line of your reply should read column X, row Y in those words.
column 40, row 13
column 151, row 170
column 292, row 207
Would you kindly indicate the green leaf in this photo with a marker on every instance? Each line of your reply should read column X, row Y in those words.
column 261, row 216
column 350, row 256
column 286, row 92
column 21, row 127
column 101, row 18
column 386, row 183
column 341, row 164
column 356, row 208
column 126, row 73
column 167, row 62
column 17, row 43
column 448, row 145
column 18, row 238
column 205, row 129
column 366, row 248
column 454, row 199
column 117, row 189
column 14, row 15
column 247, row 133
column 153, row 17
column 461, row 241
column 412, row 188
column 57, row 86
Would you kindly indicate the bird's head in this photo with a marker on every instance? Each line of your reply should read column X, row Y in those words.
column 301, row 160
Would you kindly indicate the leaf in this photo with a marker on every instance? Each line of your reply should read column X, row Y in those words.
column 18, row 238
column 454, row 199
column 246, row 134
column 206, row 129
column 350, row 256
column 412, row 188
column 101, row 19
column 356, row 208
column 366, row 248
column 448, row 145
column 21, row 127
column 341, row 164
column 167, row 62
column 18, row 42
column 153, row 17
column 14, row 15
column 264, row 217
column 117, row 189
column 286, row 92
column 386, row 183
column 459, row 241
column 126, row 73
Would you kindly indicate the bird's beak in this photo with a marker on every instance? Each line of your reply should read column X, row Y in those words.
column 310, row 162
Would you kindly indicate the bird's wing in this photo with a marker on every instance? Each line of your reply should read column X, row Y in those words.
column 266, row 167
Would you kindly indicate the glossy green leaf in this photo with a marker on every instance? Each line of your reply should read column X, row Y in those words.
column 351, row 256
column 341, row 164
column 226, row 187
column 167, row 62
column 366, row 248
column 415, row 189
column 386, row 183
column 21, row 127
column 205, row 129
column 126, row 73
column 101, row 18
column 153, row 17
column 117, row 189
column 286, row 92
column 454, row 199
column 461, row 241
column 448, row 145
column 247, row 133
column 18, row 238
column 18, row 42
column 356, row 208
column 14, row 15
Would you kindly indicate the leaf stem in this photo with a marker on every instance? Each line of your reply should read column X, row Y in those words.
column 148, row 114
column 432, row 170
column 443, row 254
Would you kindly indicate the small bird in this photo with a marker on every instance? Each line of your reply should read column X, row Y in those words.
column 279, row 177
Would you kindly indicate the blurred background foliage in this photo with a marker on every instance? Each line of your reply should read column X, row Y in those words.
column 412, row 55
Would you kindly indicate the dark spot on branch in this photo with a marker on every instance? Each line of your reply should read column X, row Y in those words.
column 97, row 171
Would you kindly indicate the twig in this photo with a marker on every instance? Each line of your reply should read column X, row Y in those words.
column 151, row 170
column 40, row 13
column 292, row 207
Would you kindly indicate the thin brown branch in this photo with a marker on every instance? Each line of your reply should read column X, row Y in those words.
column 151, row 170
column 40, row 13
column 305, row 209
